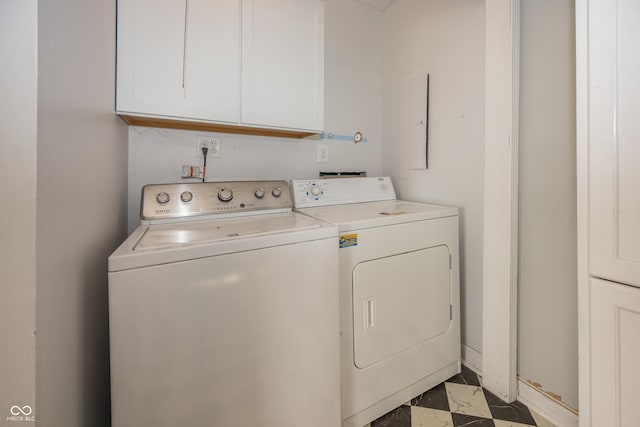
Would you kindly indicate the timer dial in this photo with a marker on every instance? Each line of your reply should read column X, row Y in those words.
column 259, row 193
column 315, row 191
column 225, row 194
column 276, row 192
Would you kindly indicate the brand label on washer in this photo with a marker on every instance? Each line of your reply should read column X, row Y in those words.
column 348, row 240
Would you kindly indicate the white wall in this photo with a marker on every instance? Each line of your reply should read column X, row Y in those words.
column 82, row 175
column 18, row 86
column 353, row 101
column 547, row 293
column 446, row 39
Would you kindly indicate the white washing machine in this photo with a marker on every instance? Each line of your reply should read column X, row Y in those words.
column 223, row 311
column 399, row 291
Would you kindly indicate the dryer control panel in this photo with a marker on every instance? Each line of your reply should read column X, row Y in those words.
column 324, row 192
column 202, row 200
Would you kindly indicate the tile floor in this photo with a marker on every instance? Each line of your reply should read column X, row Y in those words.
column 460, row 401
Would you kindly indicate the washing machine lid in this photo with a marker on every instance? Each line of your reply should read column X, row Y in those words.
column 188, row 234
column 376, row 214
column 164, row 243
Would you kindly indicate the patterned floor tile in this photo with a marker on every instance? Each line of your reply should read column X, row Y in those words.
column 503, row 423
column 427, row 417
column 462, row 420
column 436, row 398
column 399, row 417
column 467, row 399
column 461, row 402
column 466, row 376
column 516, row 411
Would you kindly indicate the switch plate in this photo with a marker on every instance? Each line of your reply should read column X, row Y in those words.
column 323, row 153
column 212, row 143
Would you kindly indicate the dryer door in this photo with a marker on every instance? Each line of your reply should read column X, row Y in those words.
column 398, row 302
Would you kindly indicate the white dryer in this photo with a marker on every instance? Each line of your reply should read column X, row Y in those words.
column 399, row 291
column 223, row 311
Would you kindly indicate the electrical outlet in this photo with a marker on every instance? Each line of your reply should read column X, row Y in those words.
column 323, row 153
column 212, row 143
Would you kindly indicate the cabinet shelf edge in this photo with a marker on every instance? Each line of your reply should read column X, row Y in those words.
column 158, row 122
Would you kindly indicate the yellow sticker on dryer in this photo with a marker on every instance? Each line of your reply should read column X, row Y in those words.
column 348, row 240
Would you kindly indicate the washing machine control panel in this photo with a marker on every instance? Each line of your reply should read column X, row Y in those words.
column 338, row 191
column 168, row 202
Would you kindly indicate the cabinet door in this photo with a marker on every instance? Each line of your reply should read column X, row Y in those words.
column 283, row 63
column 179, row 58
column 614, row 131
column 615, row 351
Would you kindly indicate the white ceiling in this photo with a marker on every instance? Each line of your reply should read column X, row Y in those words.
column 378, row 4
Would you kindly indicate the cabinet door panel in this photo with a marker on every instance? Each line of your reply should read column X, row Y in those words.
column 615, row 351
column 212, row 69
column 614, row 129
column 179, row 58
column 283, row 63
column 150, row 56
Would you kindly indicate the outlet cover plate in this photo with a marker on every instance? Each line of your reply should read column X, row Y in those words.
column 212, row 143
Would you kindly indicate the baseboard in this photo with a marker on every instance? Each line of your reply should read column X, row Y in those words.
column 472, row 359
column 554, row 411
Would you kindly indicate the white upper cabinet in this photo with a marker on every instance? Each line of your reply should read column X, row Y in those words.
column 283, row 63
column 179, row 60
column 614, row 133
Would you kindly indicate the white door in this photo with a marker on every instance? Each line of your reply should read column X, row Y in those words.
column 608, row 76
column 614, row 140
column 615, row 352
column 179, row 58
column 283, row 63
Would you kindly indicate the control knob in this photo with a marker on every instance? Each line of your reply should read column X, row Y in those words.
column 225, row 194
column 162, row 198
column 276, row 192
column 315, row 191
column 186, row 196
column 259, row 193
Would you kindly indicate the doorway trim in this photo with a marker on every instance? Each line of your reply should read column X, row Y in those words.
column 582, row 164
column 500, row 247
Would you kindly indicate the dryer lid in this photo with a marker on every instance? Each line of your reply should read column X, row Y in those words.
column 376, row 214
